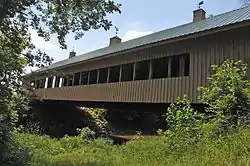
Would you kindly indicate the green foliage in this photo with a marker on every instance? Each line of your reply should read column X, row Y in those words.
column 182, row 118
column 59, row 17
column 11, row 98
column 233, row 150
column 96, row 120
column 16, row 49
column 228, row 94
column 184, row 127
column 86, row 133
column 228, row 101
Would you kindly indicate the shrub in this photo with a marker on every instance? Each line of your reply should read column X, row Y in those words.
column 228, row 94
column 96, row 120
column 182, row 118
column 10, row 152
column 184, row 126
column 86, row 133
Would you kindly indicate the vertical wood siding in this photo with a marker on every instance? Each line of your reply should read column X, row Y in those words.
column 204, row 52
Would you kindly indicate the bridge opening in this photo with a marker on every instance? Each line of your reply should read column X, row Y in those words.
column 175, row 66
column 84, row 78
column 37, row 83
column 77, row 78
column 180, row 65
column 114, row 74
column 57, row 81
column 93, row 77
column 127, row 72
column 50, row 81
column 65, row 81
column 70, row 80
column 42, row 83
column 142, row 70
column 160, row 68
column 103, row 75
column 57, row 118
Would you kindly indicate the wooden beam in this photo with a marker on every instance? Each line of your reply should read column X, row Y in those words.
column 80, row 78
column 88, row 77
column 108, row 75
column 169, row 66
column 134, row 68
column 150, row 69
column 120, row 73
column 46, row 82
column 97, row 77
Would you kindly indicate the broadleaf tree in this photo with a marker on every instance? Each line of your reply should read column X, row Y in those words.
column 46, row 17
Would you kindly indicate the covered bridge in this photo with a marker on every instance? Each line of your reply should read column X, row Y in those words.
column 156, row 68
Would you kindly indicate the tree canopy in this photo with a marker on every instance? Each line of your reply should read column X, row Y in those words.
column 47, row 17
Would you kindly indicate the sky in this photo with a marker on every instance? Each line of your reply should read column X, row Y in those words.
column 138, row 18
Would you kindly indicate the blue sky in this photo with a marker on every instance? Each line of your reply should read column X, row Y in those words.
column 138, row 18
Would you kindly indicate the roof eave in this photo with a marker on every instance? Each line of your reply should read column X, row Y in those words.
column 172, row 40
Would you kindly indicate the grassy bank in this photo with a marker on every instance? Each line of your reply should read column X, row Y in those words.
column 155, row 151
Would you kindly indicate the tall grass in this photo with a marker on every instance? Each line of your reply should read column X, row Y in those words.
column 191, row 139
column 233, row 150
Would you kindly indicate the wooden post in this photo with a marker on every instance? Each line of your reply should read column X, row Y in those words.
column 80, row 78
column 134, row 74
column 88, row 77
column 73, row 80
column 67, row 80
column 53, row 82
column 150, row 69
column 46, row 83
column 169, row 66
column 60, row 82
column 120, row 73
column 108, row 75
column 97, row 77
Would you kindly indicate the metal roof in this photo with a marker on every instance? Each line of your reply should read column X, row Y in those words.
column 232, row 17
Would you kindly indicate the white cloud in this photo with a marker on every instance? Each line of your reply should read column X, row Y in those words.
column 39, row 42
column 29, row 69
column 132, row 34
column 50, row 48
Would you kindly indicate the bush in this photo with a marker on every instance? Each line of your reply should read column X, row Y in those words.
column 228, row 94
column 182, row 118
column 233, row 150
column 227, row 97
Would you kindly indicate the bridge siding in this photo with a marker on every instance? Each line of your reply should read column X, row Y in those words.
column 203, row 53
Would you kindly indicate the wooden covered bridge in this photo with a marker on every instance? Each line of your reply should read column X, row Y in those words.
column 156, row 68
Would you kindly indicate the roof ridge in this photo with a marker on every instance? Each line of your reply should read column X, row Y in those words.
column 178, row 26
column 219, row 20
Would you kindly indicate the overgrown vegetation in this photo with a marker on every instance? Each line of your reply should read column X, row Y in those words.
column 46, row 17
column 233, row 150
column 220, row 136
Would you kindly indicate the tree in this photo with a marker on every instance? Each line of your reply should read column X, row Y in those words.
column 47, row 17
column 228, row 94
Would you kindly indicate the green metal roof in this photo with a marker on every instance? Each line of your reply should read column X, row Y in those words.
column 232, row 17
